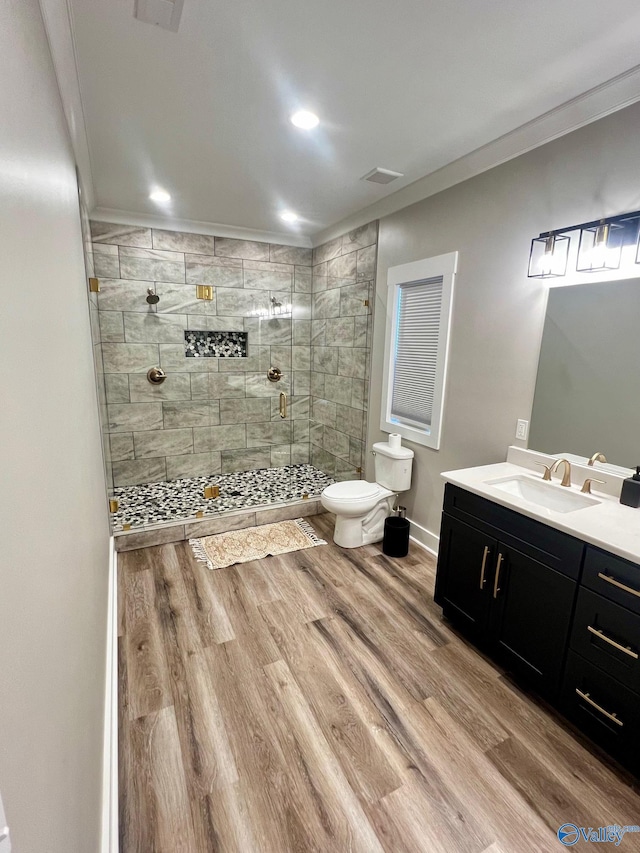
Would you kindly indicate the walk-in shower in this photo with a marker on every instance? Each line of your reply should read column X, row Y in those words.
column 192, row 331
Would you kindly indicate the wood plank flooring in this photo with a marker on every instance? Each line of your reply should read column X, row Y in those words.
column 317, row 701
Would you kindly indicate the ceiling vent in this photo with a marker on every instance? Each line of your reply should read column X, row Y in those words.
column 160, row 13
column 381, row 176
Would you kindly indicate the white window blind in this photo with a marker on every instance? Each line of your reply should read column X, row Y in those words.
column 417, row 334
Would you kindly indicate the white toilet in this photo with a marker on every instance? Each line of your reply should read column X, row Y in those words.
column 361, row 507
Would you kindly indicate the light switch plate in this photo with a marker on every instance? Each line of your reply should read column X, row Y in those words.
column 522, row 430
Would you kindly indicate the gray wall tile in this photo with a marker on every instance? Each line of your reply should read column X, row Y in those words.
column 241, row 303
column 259, row 435
column 245, row 410
column 290, row 254
column 352, row 300
column 225, row 437
column 227, row 247
column 265, row 276
column 111, row 326
column 325, row 359
column 154, row 328
column 223, row 524
column 245, row 460
column 136, row 471
column 338, row 389
column 326, row 304
column 298, row 510
column 129, row 358
column 190, row 414
column 121, row 446
column 220, row 272
column 343, row 267
column 366, row 235
column 328, row 250
column 175, row 387
column 124, row 295
column 324, row 412
column 106, row 265
column 336, row 443
column 121, row 235
column 270, row 331
column 193, row 465
column 151, row 265
column 350, row 421
column 162, row 442
column 366, row 264
column 182, row 299
column 117, row 387
column 174, row 360
column 301, row 382
column 280, row 455
column 130, row 417
column 180, row 241
column 340, row 332
column 302, row 280
column 352, row 362
column 300, row 453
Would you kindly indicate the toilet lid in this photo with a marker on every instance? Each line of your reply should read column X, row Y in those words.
column 352, row 489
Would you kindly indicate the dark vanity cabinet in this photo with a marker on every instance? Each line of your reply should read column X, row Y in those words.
column 562, row 616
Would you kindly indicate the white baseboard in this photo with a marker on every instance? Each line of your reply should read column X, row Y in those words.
column 109, row 832
column 424, row 538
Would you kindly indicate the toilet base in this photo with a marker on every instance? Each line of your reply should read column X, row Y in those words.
column 363, row 530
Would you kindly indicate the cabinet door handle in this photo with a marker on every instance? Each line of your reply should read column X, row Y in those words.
column 496, row 588
column 598, row 633
column 599, row 708
column 613, row 581
column 487, row 551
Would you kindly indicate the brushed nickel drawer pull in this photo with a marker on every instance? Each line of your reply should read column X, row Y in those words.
column 496, row 588
column 595, row 705
column 598, row 633
column 484, row 566
column 613, row 581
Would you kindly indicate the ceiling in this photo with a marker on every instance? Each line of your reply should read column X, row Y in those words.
column 409, row 86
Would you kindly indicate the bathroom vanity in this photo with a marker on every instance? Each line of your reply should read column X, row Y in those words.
column 534, row 587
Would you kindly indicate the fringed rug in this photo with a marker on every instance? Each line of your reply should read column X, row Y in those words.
column 255, row 543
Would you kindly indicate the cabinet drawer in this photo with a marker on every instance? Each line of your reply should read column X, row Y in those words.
column 539, row 541
column 612, row 577
column 605, row 710
column 609, row 636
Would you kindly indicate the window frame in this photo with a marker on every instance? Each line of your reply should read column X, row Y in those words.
column 441, row 266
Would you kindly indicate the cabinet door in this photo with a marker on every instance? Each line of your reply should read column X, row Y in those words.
column 530, row 617
column 465, row 571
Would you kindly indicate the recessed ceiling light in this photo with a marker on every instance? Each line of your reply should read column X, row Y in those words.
column 160, row 196
column 289, row 216
column 305, row 119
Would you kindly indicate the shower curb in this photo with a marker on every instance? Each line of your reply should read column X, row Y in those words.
column 190, row 528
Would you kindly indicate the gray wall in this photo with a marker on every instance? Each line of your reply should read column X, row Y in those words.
column 341, row 328
column 54, row 564
column 498, row 312
column 588, row 385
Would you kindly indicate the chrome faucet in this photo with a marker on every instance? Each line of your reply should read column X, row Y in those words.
column 566, row 477
column 597, row 457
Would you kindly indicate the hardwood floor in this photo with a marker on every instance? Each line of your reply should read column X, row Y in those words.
column 316, row 701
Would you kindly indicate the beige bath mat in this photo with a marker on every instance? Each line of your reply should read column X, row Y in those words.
column 254, row 543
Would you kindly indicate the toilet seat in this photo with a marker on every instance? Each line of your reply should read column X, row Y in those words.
column 352, row 490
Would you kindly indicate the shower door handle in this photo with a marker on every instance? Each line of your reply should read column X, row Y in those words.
column 283, row 405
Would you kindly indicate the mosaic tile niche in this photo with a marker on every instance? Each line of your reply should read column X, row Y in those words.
column 216, row 412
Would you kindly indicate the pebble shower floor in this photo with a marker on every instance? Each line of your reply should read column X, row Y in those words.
column 174, row 500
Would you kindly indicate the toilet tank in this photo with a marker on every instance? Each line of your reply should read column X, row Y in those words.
column 393, row 466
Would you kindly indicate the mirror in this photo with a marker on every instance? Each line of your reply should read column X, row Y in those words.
column 587, row 396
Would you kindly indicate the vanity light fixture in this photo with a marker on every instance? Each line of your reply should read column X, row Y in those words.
column 548, row 256
column 600, row 247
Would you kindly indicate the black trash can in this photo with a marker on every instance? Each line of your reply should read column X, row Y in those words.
column 395, row 542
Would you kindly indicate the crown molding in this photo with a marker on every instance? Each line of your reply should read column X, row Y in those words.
column 609, row 97
column 194, row 226
column 58, row 25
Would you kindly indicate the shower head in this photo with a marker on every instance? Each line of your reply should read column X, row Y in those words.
column 152, row 297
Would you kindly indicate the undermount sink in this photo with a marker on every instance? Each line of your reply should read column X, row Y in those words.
column 547, row 495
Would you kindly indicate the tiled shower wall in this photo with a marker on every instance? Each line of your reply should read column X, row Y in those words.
column 341, row 329
column 219, row 415
column 211, row 415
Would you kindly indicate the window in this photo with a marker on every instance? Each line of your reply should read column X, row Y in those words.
column 419, row 301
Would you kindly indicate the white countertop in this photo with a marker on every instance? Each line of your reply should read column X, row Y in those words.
column 608, row 525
